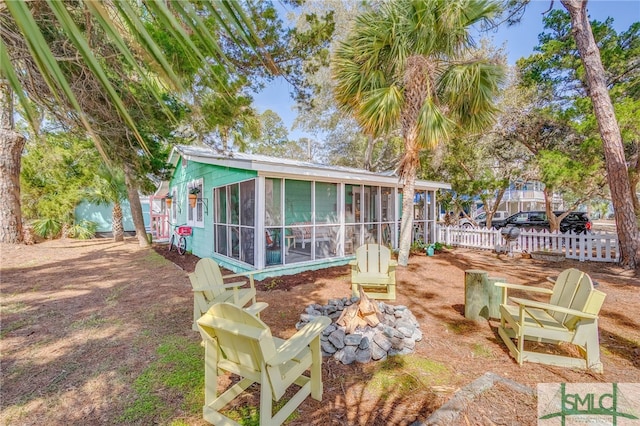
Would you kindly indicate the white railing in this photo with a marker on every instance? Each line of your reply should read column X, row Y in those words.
column 596, row 247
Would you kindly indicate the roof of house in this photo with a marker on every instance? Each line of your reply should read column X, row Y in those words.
column 284, row 167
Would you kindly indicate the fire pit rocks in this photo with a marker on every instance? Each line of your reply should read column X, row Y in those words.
column 364, row 330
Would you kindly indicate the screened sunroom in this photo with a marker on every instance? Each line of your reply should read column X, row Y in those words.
column 285, row 216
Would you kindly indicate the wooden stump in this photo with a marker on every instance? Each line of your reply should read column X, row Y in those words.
column 481, row 297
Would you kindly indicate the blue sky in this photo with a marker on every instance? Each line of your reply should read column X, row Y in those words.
column 519, row 41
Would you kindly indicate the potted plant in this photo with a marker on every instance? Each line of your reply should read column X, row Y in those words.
column 193, row 196
column 168, row 199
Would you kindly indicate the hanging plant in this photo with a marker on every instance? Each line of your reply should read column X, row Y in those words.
column 193, row 196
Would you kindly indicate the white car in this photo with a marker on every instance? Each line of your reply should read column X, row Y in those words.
column 481, row 219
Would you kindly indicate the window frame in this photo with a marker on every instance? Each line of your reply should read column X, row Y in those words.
column 195, row 215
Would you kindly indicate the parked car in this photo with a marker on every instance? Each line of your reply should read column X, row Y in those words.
column 576, row 222
column 497, row 221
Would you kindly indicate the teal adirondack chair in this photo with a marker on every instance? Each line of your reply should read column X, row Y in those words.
column 570, row 316
column 237, row 342
column 209, row 288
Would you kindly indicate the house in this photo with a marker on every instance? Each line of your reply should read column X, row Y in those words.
column 102, row 214
column 283, row 216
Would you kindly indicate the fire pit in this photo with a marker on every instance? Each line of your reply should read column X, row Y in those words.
column 364, row 330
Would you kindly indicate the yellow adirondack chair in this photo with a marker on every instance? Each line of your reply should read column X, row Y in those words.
column 375, row 271
column 240, row 343
column 571, row 316
column 209, row 288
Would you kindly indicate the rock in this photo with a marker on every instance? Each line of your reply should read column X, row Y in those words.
column 388, row 331
column 346, row 355
column 382, row 341
column 364, row 343
column 409, row 344
column 377, row 353
column 337, row 338
column 328, row 347
column 309, row 317
column 352, row 339
column 329, row 329
column 417, row 335
column 363, row 355
column 397, row 334
column 313, row 311
column 397, row 344
column 406, row 332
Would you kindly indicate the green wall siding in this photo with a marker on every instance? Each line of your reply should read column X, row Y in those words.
column 201, row 241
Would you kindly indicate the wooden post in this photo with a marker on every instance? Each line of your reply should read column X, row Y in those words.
column 481, row 297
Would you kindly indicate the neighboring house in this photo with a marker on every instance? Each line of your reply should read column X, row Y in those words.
column 101, row 215
column 528, row 196
column 283, row 216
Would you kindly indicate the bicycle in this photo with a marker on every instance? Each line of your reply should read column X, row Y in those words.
column 179, row 233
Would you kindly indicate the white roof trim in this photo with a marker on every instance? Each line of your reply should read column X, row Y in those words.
column 286, row 168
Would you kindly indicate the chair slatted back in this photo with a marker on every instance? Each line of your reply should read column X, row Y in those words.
column 373, row 258
column 209, row 276
column 573, row 289
column 244, row 342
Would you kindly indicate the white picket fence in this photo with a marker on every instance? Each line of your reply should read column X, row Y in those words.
column 595, row 247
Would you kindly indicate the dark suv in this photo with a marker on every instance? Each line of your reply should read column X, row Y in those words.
column 576, row 222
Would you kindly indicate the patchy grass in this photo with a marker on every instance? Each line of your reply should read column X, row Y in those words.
column 481, row 351
column 93, row 321
column 400, row 376
column 175, row 378
column 249, row 415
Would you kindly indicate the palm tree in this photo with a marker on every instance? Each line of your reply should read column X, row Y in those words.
column 110, row 189
column 409, row 64
column 38, row 74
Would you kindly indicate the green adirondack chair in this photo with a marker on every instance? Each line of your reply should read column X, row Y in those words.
column 239, row 343
column 209, row 288
column 570, row 316
column 375, row 271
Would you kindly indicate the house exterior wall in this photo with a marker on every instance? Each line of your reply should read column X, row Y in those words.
column 310, row 221
column 101, row 214
column 201, row 240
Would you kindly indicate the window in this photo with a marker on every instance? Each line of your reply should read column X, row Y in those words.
column 174, row 207
column 234, row 220
column 195, row 211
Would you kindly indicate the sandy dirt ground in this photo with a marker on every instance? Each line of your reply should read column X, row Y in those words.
column 81, row 320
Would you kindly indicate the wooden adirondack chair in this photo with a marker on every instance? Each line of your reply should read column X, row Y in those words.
column 240, row 343
column 209, row 288
column 571, row 316
column 375, row 271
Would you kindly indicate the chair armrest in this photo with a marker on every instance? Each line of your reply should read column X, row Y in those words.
column 353, row 262
column 392, row 264
column 248, row 274
column 550, row 307
column 234, row 285
column 299, row 341
column 524, row 287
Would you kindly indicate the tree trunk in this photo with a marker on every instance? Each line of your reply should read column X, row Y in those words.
column 11, row 145
column 117, row 226
column 368, row 153
column 554, row 223
column 406, row 227
column 491, row 211
column 136, row 208
column 617, row 173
